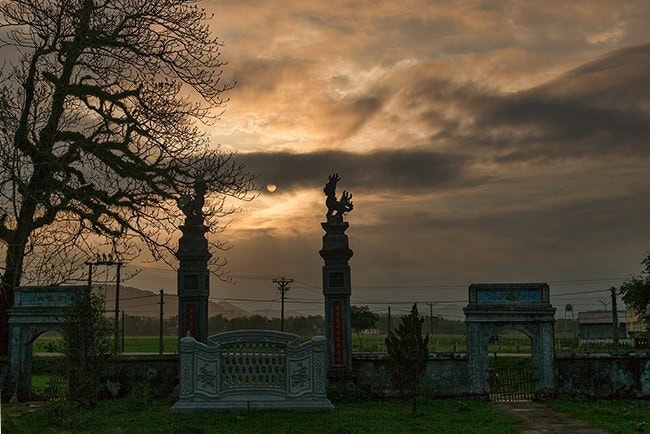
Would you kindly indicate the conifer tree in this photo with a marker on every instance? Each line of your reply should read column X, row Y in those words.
column 408, row 353
column 87, row 343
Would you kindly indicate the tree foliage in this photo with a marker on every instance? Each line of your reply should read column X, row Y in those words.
column 362, row 319
column 636, row 289
column 87, row 343
column 408, row 354
column 99, row 135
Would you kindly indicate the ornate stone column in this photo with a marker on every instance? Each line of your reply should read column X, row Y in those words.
column 337, row 282
column 193, row 284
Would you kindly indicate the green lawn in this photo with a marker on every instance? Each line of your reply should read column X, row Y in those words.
column 448, row 416
column 616, row 416
column 132, row 344
column 444, row 343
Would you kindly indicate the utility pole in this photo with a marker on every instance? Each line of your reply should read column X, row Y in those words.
column 90, row 275
column 614, row 319
column 388, row 319
column 103, row 259
column 160, row 341
column 283, row 287
column 431, row 303
column 117, row 298
column 122, row 330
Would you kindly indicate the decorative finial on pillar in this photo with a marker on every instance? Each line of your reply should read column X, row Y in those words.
column 336, row 208
column 192, row 203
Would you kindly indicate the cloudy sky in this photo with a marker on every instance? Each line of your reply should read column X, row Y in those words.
column 482, row 141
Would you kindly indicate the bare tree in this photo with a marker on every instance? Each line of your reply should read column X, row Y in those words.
column 98, row 126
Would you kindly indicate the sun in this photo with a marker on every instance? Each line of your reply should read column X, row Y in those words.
column 271, row 187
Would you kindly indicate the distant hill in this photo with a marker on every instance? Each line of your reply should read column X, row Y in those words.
column 276, row 313
column 138, row 302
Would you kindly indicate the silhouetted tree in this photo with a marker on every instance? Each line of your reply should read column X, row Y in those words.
column 408, row 354
column 362, row 319
column 87, row 343
column 636, row 289
column 98, row 135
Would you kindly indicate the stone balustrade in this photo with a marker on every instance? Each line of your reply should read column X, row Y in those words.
column 252, row 369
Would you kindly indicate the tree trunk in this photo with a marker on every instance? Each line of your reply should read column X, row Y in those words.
column 13, row 272
column 10, row 279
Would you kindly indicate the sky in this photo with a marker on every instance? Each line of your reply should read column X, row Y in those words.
column 482, row 142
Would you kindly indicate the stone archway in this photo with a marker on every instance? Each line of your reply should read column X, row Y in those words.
column 36, row 310
column 521, row 307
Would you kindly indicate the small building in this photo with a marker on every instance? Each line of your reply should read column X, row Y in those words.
column 635, row 324
column 595, row 327
column 636, row 329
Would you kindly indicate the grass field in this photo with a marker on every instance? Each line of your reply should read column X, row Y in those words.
column 616, row 416
column 446, row 343
column 448, row 416
column 443, row 343
column 132, row 344
column 139, row 415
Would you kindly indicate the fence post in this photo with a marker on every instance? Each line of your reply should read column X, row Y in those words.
column 160, row 342
column 122, row 330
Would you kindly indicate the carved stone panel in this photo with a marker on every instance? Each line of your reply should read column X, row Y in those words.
column 299, row 375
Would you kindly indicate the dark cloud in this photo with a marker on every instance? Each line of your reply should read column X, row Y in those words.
column 264, row 76
column 597, row 109
column 407, row 169
column 353, row 115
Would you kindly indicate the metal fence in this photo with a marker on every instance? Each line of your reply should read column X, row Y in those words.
column 512, row 384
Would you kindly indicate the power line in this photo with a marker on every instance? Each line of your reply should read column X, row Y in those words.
column 141, row 305
column 272, row 301
column 134, row 298
column 412, row 287
column 579, row 293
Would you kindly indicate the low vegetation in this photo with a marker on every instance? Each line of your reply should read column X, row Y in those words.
column 616, row 416
column 448, row 416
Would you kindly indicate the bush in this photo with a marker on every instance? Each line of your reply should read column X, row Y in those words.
column 66, row 415
column 139, row 397
column 408, row 354
column 47, row 364
column 87, row 338
column 344, row 392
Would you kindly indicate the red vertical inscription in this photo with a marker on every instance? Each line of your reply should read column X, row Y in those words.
column 190, row 318
column 337, row 331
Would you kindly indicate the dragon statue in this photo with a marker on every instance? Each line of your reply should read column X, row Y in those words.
column 336, row 208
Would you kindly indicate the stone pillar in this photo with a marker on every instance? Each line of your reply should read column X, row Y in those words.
column 477, row 359
column 337, row 284
column 19, row 370
column 647, row 326
column 193, row 284
column 336, row 289
column 544, row 356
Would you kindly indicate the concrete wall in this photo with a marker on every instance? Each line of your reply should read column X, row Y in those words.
column 603, row 375
column 159, row 372
column 445, row 376
column 576, row 374
column 590, row 375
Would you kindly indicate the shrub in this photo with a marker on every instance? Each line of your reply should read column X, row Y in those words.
column 139, row 397
column 88, row 341
column 66, row 415
column 408, row 355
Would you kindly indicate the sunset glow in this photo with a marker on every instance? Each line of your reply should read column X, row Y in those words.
column 482, row 142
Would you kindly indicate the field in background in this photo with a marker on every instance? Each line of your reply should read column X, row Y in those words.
column 443, row 343
column 516, row 343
